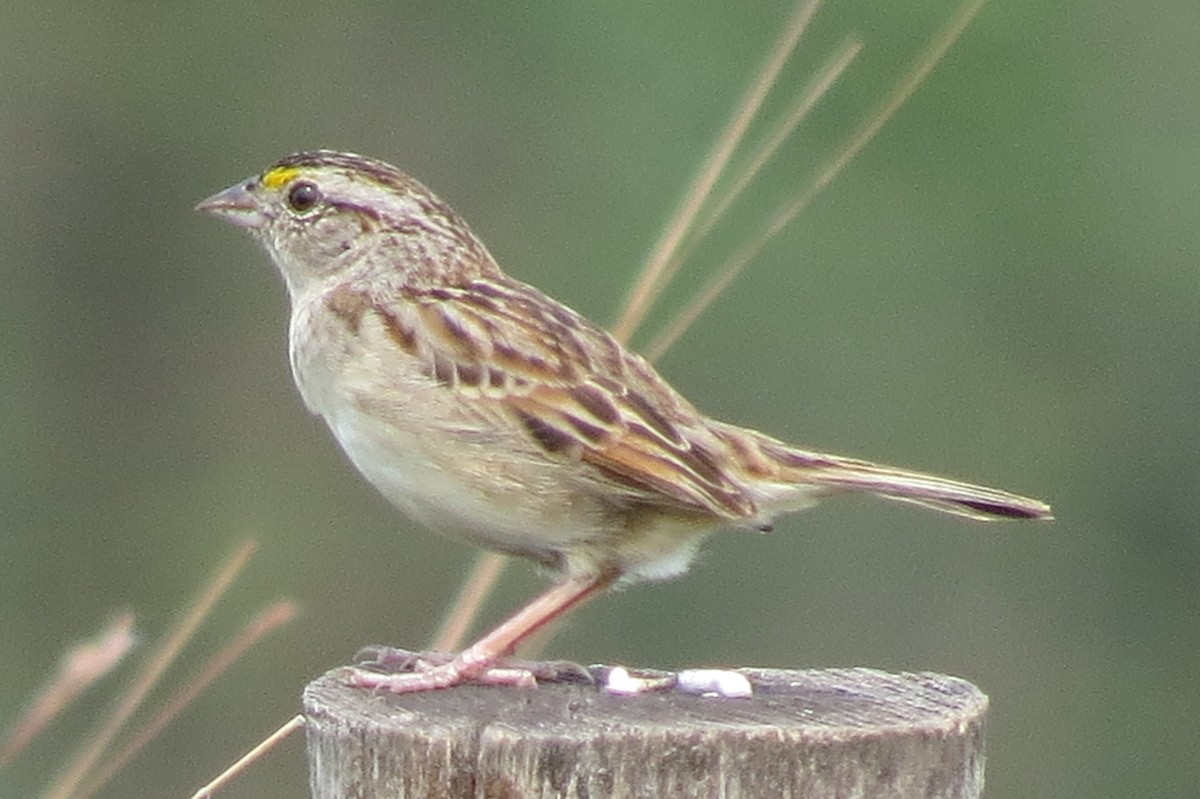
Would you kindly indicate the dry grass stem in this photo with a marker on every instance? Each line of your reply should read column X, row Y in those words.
column 475, row 588
column 276, row 615
column 820, row 84
column 79, row 669
column 724, row 198
column 250, row 757
column 658, row 272
column 737, row 263
column 77, row 770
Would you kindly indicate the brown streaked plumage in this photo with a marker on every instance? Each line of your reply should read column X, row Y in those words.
column 481, row 406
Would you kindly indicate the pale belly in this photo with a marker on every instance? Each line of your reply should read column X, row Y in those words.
column 454, row 489
column 515, row 503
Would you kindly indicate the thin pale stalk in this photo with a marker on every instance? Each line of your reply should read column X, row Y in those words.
column 266, row 745
column 474, row 590
column 824, row 176
column 821, row 83
column 658, row 270
column 70, row 778
column 817, row 88
column 79, row 669
column 277, row 614
column 713, row 289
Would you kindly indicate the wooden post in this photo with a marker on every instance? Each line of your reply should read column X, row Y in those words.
column 832, row 733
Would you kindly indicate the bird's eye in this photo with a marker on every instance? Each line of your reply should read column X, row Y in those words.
column 302, row 196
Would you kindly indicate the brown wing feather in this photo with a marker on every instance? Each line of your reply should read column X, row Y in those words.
column 574, row 389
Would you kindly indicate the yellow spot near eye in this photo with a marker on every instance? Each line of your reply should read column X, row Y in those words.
column 274, row 178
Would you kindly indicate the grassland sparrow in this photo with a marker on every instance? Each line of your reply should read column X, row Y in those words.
column 481, row 407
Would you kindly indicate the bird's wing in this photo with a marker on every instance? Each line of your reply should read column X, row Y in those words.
column 572, row 388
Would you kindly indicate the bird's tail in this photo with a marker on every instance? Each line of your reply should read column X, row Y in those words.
column 816, row 474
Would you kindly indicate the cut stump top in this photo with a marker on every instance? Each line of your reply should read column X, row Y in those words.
column 837, row 732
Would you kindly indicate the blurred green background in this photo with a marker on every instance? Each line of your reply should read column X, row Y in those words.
column 1003, row 288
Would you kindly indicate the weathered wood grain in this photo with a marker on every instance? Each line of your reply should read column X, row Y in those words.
column 830, row 733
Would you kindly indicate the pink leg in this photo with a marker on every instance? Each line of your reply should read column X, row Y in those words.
column 477, row 663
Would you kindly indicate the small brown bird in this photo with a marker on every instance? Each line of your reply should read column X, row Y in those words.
column 484, row 408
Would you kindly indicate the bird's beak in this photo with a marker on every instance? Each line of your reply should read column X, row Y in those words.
column 237, row 205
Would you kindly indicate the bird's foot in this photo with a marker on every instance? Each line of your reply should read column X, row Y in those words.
column 400, row 671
